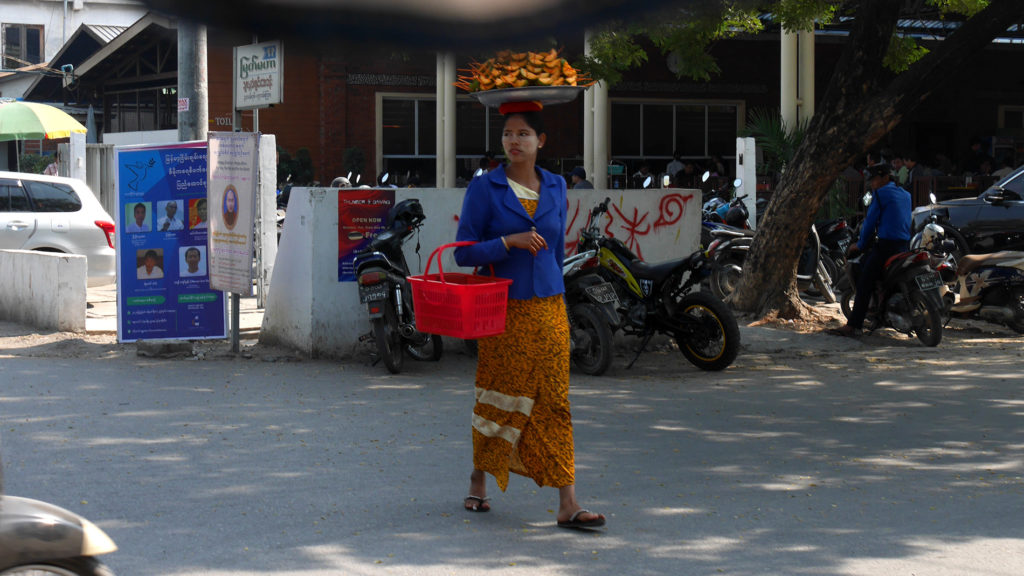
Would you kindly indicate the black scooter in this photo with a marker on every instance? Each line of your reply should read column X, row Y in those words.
column 382, row 276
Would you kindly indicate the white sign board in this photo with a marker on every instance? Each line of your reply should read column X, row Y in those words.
column 231, row 195
column 259, row 75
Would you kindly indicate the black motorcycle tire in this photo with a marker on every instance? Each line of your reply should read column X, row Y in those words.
column 929, row 328
column 83, row 566
column 708, row 336
column 846, row 302
column 388, row 340
column 425, row 347
column 592, row 339
column 1017, row 305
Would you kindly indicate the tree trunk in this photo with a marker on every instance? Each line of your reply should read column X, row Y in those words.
column 855, row 112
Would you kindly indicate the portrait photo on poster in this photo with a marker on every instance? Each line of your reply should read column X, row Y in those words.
column 230, row 206
column 197, row 214
column 192, row 261
column 138, row 218
column 169, row 216
column 150, row 263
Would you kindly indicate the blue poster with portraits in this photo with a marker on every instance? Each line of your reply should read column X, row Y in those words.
column 163, row 280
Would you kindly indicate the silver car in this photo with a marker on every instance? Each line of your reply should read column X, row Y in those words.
column 53, row 214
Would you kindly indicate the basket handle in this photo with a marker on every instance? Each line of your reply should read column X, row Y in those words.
column 437, row 254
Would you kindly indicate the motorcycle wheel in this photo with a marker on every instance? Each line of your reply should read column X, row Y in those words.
column 1017, row 305
column 846, row 302
column 927, row 320
column 708, row 335
column 591, row 339
column 725, row 276
column 388, row 339
column 71, row 567
column 823, row 282
column 425, row 347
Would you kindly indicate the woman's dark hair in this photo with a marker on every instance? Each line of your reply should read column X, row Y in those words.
column 533, row 120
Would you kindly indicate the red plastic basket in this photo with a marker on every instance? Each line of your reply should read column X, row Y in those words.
column 456, row 304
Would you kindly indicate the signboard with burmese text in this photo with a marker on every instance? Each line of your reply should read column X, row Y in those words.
column 259, row 75
column 163, row 284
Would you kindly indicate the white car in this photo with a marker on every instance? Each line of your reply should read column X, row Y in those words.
column 53, row 214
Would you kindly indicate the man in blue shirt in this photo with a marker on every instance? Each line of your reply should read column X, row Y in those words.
column 889, row 217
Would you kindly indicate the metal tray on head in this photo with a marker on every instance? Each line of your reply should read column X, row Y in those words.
column 546, row 95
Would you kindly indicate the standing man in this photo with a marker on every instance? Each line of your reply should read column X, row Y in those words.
column 889, row 216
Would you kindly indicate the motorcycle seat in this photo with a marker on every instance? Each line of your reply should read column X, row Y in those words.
column 653, row 272
column 969, row 262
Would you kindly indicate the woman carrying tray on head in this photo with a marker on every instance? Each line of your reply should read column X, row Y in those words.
column 521, row 420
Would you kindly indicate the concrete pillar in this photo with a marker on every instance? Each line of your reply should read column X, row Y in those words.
column 193, row 83
column 449, row 121
column 602, row 118
column 439, row 107
column 806, row 71
column 588, row 119
column 788, row 71
column 746, row 170
column 75, row 157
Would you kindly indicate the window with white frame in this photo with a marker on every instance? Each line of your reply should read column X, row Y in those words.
column 22, row 45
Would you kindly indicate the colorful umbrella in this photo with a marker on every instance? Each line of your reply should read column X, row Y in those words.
column 31, row 120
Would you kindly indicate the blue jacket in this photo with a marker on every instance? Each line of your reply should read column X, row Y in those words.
column 491, row 210
column 889, row 215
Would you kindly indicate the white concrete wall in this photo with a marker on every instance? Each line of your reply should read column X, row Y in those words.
column 309, row 310
column 43, row 290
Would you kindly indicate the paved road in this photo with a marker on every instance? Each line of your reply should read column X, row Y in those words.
column 812, row 455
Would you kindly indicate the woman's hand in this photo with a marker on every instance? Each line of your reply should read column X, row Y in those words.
column 531, row 241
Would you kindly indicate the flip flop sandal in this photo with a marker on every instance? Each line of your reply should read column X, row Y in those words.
column 575, row 522
column 478, row 504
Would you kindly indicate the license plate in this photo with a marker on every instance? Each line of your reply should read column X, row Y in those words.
column 602, row 293
column 373, row 293
column 928, row 282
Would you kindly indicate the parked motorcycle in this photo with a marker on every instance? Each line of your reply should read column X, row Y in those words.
column 593, row 310
column 908, row 298
column 381, row 275
column 658, row 298
column 728, row 250
column 835, row 235
column 991, row 287
column 40, row 538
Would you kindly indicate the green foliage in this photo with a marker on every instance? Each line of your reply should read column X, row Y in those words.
column 778, row 141
column 798, row 15
column 903, row 52
column 836, row 202
column 33, row 163
column 354, row 160
column 965, row 8
column 614, row 49
column 297, row 170
column 688, row 33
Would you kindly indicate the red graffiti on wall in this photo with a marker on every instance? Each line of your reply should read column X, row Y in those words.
column 671, row 209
